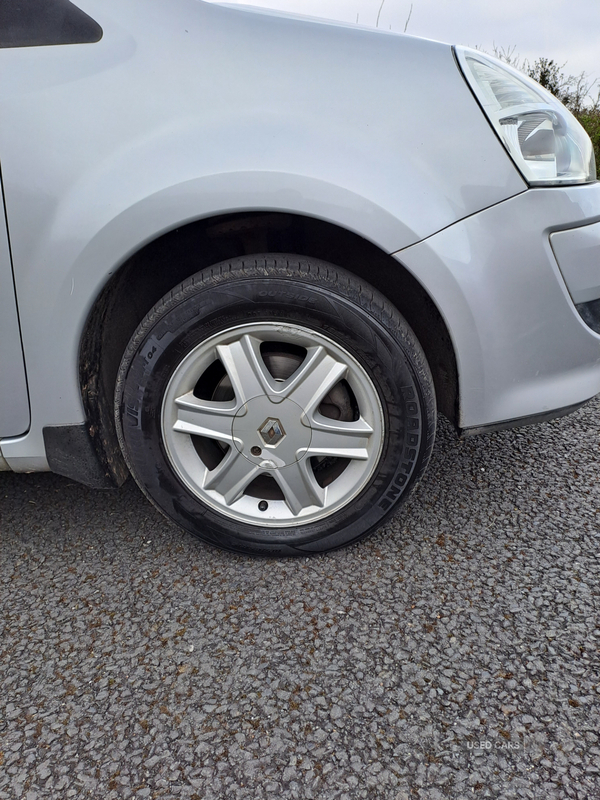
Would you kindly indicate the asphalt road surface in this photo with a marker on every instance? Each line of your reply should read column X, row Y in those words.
column 454, row 654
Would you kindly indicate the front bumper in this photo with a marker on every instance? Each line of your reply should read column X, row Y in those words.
column 522, row 348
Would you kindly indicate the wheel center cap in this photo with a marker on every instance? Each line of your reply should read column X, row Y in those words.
column 270, row 432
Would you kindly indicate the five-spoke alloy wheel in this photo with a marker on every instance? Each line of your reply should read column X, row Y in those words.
column 275, row 405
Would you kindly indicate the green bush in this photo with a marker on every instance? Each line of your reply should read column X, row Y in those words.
column 591, row 122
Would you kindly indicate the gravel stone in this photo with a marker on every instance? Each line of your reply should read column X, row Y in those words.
column 453, row 654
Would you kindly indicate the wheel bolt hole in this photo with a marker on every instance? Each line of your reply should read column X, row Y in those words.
column 256, row 451
column 263, row 505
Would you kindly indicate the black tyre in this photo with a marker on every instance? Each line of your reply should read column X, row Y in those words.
column 275, row 405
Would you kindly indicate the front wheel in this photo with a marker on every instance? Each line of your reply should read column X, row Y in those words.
column 275, row 405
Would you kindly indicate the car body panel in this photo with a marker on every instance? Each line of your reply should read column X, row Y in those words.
column 14, row 402
column 107, row 145
column 185, row 111
column 522, row 349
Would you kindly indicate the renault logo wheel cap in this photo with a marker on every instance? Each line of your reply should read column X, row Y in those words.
column 271, row 431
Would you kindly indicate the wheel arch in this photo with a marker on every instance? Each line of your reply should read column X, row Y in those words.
column 164, row 262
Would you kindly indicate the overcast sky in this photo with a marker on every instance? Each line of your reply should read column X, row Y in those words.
column 565, row 30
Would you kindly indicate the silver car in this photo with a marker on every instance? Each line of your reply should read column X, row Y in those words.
column 246, row 257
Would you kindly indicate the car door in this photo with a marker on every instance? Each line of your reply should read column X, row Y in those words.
column 25, row 24
column 14, row 401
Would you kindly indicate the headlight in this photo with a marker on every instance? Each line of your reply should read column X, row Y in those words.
column 544, row 139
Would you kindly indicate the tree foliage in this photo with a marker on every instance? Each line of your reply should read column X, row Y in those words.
column 574, row 91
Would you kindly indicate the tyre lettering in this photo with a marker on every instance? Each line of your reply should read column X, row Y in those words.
column 393, row 493
column 133, row 414
column 299, row 298
column 412, row 437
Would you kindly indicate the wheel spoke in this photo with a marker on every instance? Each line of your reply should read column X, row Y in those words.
column 231, row 476
column 299, row 486
column 204, row 418
column 246, row 369
column 340, row 439
column 316, row 376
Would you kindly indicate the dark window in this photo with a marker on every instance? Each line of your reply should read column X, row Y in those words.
column 32, row 23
